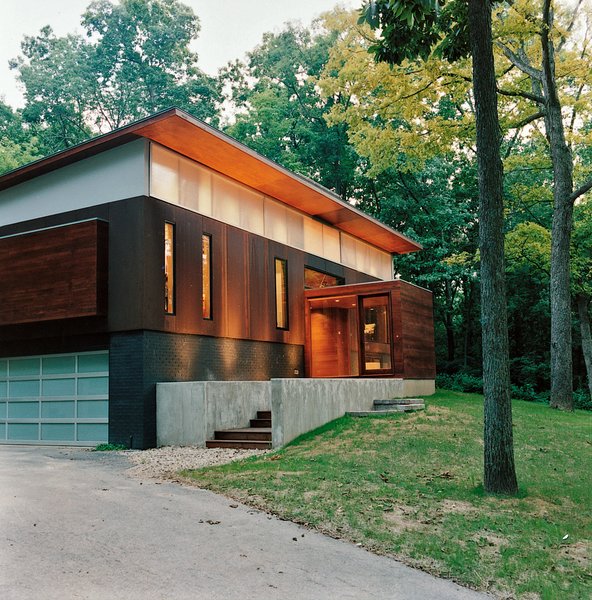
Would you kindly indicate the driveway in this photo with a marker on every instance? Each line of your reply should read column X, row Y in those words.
column 74, row 525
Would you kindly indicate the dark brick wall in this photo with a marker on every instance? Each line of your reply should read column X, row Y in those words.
column 138, row 360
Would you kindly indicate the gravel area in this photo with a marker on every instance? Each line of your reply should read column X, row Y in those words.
column 163, row 463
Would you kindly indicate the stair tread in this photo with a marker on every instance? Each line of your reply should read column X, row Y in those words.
column 248, row 430
column 248, row 444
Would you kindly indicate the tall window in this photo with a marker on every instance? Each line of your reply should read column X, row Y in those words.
column 376, row 334
column 169, row 268
column 281, row 293
column 206, row 272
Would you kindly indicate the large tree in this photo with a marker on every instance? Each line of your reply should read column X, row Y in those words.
column 278, row 108
column 535, row 56
column 531, row 45
column 18, row 145
column 134, row 59
column 410, row 29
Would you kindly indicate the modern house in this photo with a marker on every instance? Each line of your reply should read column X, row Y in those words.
column 167, row 251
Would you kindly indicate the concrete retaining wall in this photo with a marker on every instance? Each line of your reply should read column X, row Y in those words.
column 188, row 413
column 300, row 405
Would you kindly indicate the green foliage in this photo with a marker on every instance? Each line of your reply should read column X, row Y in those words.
column 17, row 144
column 412, row 29
column 109, row 448
column 280, row 111
column 582, row 399
column 408, row 486
column 134, row 60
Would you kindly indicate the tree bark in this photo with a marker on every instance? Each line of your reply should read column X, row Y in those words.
column 499, row 469
column 583, row 302
column 449, row 323
column 560, row 294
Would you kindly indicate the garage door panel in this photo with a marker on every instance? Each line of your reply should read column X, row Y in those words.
column 27, row 388
column 58, row 387
column 55, row 399
column 20, row 432
column 93, row 409
column 93, row 363
column 58, row 365
column 58, row 409
column 23, row 366
column 58, row 432
column 88, row 432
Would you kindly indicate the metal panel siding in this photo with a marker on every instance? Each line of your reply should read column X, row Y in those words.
column 113, row 175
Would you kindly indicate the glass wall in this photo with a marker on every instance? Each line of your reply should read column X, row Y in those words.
column 350, row 335
column 334, row 337
column 177, row 179
column 377, row 334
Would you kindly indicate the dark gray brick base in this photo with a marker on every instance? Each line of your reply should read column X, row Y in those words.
column 138, row 360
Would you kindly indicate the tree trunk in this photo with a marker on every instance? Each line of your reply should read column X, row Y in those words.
column 499, row 470
column 560, row 294
column 449, row 322
column 584, row 314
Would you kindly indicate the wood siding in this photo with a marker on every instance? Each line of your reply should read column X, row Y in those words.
column 52, row 274
column 243, row 297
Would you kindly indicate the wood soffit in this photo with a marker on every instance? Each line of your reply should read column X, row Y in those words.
column 186, row 135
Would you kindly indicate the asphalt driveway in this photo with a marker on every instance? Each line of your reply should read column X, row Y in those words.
column 74, row 525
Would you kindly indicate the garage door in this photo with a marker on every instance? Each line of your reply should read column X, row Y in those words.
column 55, row 399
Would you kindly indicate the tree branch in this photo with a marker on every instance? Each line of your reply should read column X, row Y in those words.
column 527, row 120
column 520, row 62
column 521, row 94
column 581, row 190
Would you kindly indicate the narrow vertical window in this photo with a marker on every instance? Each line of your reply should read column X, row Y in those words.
column 281, row 293
column 206, row 271
column 169, row 268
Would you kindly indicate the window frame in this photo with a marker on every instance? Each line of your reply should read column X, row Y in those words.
column 210, row 316
column 285, row 325
column 170, row 311
column 365, row 372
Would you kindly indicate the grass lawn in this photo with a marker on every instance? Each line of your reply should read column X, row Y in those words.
column 409, row 486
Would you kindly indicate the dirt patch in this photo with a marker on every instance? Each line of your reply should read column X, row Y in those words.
column 403, row 518
column 488, row 541
column 457, row 507
column 579, row 552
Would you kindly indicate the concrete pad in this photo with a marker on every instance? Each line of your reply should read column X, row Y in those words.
column 74, row 525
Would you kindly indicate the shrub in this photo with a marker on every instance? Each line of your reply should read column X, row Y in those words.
column 582, row 399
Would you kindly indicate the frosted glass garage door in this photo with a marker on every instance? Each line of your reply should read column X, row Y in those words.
column 55, row 399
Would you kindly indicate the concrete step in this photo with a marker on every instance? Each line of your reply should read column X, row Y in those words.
column 387, row 407
column 398, row 401
column 244, row 444
column 245, row 433
column 399, row 408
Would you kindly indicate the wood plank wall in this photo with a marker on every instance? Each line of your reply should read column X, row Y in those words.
column 51, row 274
column 415, row 322
column 243, row 280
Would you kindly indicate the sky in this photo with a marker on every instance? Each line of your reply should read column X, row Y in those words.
column 229, row 28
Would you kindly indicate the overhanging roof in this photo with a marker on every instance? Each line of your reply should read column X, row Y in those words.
column 179, row 131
